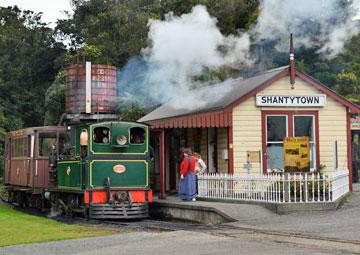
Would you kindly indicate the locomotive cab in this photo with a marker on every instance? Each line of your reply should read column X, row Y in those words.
column 112, row 179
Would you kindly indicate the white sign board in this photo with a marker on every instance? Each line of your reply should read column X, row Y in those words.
column 291, row 100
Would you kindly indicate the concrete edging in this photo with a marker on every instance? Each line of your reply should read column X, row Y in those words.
column 284, row 208
column 189, row 212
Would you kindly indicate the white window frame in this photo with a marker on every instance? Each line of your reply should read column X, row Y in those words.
column 314, row 136
column 266, row 129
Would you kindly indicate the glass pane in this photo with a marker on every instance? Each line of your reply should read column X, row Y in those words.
column 304, row 126
column 137, row 135
column 275, row 156
column 101, row 135
column 66, row 149
column 46, row 141
column 276, row 128
column 312, row 155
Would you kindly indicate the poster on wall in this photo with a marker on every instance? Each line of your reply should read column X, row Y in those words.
column 297, row 154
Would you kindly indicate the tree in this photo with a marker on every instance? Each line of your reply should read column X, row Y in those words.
column 28, row 52
column 348, row 85
column 55, row 100
column 115, row 29
column 118, row 29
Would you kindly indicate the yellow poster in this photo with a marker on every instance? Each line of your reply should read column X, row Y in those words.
column 297, row 154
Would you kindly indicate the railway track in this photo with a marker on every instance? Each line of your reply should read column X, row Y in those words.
column 156, row 225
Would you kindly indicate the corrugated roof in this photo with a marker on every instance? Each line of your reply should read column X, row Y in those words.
column 210, row 98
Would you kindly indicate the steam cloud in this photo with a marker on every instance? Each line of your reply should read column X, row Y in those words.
column 183, row 48
column 315, row 23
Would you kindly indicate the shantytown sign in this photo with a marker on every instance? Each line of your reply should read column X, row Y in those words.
column 291, row 100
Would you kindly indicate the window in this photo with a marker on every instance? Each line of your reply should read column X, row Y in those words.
column 276, row 130
column 46, row 141
column 304, row 126
column 279, row 126
column 101, row 135
column 66, row 149
column 137, row 135
column 19, row 147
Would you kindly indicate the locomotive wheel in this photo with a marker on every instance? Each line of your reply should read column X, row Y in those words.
column 5, row 195
column 20, row 199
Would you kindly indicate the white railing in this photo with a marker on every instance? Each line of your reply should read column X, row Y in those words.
column 275, row 188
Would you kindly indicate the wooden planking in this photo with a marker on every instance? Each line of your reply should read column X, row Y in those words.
column 247, row 133
column 247, row 125
column 332, row 127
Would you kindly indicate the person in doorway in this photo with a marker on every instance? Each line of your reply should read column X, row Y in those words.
column 187, row 186
column 199, row 169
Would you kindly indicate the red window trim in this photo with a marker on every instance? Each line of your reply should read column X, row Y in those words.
column 290, row 115
column 349, row 148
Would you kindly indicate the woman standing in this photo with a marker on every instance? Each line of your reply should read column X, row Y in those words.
column 187, row 187
column 199, row 169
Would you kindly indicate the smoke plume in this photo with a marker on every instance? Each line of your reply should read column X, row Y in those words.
column 182, row 48
column 325, row 24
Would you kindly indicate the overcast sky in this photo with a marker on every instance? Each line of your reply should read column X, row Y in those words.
column 52, row 9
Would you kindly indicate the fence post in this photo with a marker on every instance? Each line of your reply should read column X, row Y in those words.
column 306, row 187
column 286, row 188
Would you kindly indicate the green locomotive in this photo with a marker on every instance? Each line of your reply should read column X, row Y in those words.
column 100, row 170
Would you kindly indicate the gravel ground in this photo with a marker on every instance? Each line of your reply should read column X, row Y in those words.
column 177, row 242
column 343, row 223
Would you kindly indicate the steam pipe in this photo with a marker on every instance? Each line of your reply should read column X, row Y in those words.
column 292, row 62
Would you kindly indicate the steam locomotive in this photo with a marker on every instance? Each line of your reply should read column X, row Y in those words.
column 100, row 170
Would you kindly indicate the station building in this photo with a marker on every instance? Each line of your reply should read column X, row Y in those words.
column 242, row 116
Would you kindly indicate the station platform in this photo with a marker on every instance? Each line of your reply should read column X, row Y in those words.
column 237, row 212
column 206, row 212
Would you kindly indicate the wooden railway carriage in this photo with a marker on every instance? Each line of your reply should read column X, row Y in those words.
column 99, row 169
column 26, row 162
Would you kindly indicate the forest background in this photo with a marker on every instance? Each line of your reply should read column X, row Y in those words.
column 33, row 56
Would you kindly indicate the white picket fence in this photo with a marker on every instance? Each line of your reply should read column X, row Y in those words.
column 275, row 188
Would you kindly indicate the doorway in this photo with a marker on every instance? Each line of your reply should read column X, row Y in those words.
column 212, row 150
column 355, row 143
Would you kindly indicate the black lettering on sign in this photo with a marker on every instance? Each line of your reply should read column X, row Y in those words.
column 263, row 99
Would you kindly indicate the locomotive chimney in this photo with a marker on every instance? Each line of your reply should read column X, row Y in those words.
column 292, row 62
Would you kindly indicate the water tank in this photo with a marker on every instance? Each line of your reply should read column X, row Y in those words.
column 101, row 97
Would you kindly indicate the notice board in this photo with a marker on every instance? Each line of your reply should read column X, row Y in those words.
column 297, row 154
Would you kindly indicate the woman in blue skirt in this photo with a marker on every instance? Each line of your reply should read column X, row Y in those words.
column 187, row 186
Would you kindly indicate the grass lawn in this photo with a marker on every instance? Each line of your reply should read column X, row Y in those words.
column 20, row 228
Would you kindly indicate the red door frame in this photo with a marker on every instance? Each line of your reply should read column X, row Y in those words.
column 290, row 115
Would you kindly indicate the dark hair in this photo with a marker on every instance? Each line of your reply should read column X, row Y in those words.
column 187, row 151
